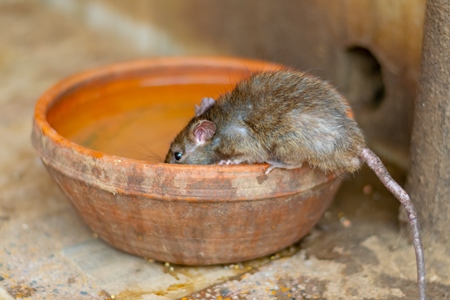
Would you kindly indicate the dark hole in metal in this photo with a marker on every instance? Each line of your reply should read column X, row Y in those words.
column 365, row 80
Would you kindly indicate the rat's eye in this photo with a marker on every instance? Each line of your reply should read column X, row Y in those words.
column 177, row 155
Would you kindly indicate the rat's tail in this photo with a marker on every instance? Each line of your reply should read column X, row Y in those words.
column 374, row 162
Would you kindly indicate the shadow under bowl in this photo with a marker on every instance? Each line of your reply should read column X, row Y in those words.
column 102, row 136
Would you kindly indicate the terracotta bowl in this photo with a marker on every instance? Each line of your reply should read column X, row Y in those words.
column 99, row 133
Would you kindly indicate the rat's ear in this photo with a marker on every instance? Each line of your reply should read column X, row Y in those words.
column 204, row 131
column 206, row 103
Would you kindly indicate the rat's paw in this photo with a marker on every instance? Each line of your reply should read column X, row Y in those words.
column 269, row 169
column 229, row 162
column 274, row 165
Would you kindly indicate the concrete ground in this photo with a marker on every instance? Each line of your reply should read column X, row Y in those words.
column 46, row 251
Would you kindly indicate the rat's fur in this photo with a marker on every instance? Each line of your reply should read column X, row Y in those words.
column 284, row 118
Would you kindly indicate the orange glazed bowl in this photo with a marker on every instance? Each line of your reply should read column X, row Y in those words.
column 100, row 133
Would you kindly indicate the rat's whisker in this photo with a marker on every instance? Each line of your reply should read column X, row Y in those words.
column 151, row 153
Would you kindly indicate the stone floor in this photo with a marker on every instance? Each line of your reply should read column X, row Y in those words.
column 46, row 251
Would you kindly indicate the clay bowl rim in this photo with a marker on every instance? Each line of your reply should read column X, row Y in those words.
column 122, row 70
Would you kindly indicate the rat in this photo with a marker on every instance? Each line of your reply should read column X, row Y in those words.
column 286, row 118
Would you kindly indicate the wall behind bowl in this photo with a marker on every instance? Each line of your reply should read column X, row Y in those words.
column 369, row 49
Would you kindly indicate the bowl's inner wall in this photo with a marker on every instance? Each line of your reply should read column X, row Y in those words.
column 136, row 115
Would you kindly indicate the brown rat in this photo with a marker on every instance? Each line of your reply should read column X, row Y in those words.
column 285, row 118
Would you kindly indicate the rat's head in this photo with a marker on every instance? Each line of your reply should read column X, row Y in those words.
column 194, row 144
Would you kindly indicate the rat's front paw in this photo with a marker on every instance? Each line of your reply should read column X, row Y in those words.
column 229, row 162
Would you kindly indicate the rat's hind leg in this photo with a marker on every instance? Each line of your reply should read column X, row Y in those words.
column 277, row 164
